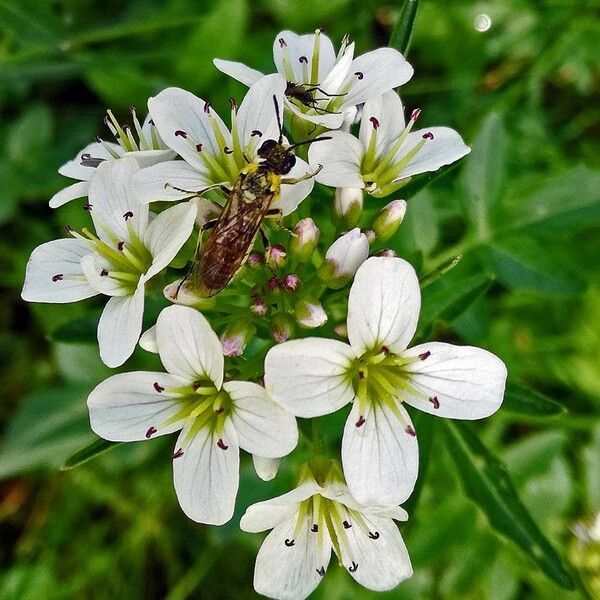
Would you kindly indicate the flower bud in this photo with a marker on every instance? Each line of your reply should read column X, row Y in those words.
column 304, row 239
column 291, row 283
column 255, row 259
column 273, row 284
column 344, row 257
column 276, row 256
column 388, row 220
column 266, row 468
column 342, row 330
column 387, row 252
column 370, row 235
column 310, row 313
column 148, row 340
column 282, row 327
column 347, row 206
column 236, row 336
column 258, row 306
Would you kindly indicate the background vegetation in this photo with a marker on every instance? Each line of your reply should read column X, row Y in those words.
column 523, row 211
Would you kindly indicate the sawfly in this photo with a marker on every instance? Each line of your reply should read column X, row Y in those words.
column 250, row 201
column 305, row 94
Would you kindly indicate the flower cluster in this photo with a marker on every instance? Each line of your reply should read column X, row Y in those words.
column 239, row 363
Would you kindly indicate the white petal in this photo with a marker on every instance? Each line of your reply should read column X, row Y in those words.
column 383, row 305
column 329, row 120
column 158, row 183
column 262, row 426
column 206, row 476
column 291, row 572
column 75, row 170
column 380, row 457
column 147, row 158
column 92, row 266
column 129, row 406
column 467, row 382
column 239, row 71
column 59, row 257
column 148, row 340
column 111, row 199
column 341, row 157
column 72, row 192
column 292, row 195
column 167, row 233
column 303, row 45
column 188, row 346
column 269, row 513
column 266, row 468
column 120, row 326
column 257, row 111
column 336, row 77
column 340, row 492
column 381, row 563
column 383, row 69
column 309, row 376
column 445, row 148
column 176, row 110
column 389, row 112
column 348, row 252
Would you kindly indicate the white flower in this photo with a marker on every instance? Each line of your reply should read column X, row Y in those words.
column 386, row 151
column 344, row 256
column 214, row 155
column 335, row 84
column 216, row 418
column 128, row 249
column 148, row 150
column 376, row 371
column 348, row 205
column 311, row 521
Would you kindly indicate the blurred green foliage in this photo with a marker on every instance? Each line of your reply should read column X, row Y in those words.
column 522, row 211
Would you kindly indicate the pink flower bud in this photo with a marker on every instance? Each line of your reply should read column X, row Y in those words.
column 276, row 256
column 281, row 327
column 258, row 306
column 255, row 259
column 388, row 220
column 291, row 283
column 344, row 257
column 387, row 252
column 310, row 313
column 236, row 336
column 342, row 330
column 348, row 205
column 304, row 239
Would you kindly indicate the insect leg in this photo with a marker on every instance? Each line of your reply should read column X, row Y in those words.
column 292, row 180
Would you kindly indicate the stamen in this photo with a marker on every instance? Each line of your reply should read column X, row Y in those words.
column 128, row 215
column 425, row 355
column 282, row 43
column 409, row 429
column 289, row 543
column 103, row 273
column 361, row 374
column 321, row 571
column 121, row 245
column 87, row 206
column 159, row 388
column 361, row 421
column 207, row 107
column 415, row 114
column 221, row 444
column 347, row 525
column 428, row 136
column 436, row 403
column 374, row 535
column 385, row 350
column 58, row 277
column 359, row 75
column 227, row 150
column 219, row 410
column 151, row 431
column 198, row 147
column 374, row 122
column 181, row 133
column 303, row 60
column 314, row 528
column 178, row 454
column 256, row 133
column 353, row 567
column 233, row 104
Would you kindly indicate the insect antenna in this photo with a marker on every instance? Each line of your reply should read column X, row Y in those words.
column 318, row 139
column 279, row 124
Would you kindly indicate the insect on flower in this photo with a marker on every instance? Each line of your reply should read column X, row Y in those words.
column 250, row 201
column 306, row 94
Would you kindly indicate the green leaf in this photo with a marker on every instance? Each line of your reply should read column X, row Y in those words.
column 449, row 296
column 567, row 201
column 223, row 28
column 488, row 484
column 524, row 401
column 79, row 330
column 485, row 172
column 522, row 262
column 95, row 448
column 47, row 428
column 30, row 25
column 400, row 38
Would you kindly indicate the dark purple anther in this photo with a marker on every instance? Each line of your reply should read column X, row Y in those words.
column 159, row 388
column 436, row 403
column 346, row 525
column 87, row 206
column 121, row 245
column 282, row 43
column 374, row 122
column 415, row 114
column 221, row 444
column 374, row 535
column 207, row 107
column 57, row 277
column 256, row 133
column 178, row 454
column 303, row 60
column 233, row 104
column 151, row 431
column 321, row 571
column 359, row 75
column 181, row 133
column 353, row 567
column 227, row 150
column 103, row 273
column 361, row 421
column 289, row 543
column 198, row 147
column 410, row 431
column 128, row 215
column 425, row 355
column 314, row 528
column 428, row 136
